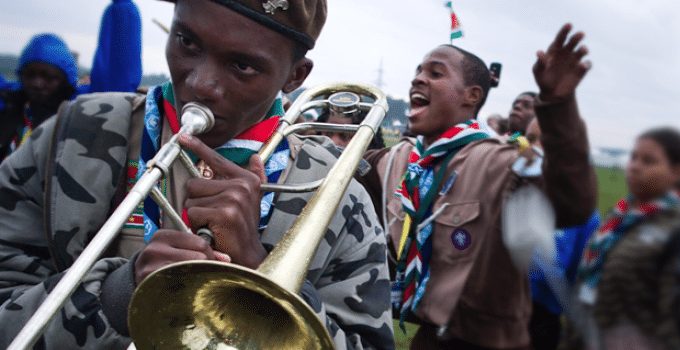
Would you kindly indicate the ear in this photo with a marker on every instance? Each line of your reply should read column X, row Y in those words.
column 298, row 74
column 473, row 96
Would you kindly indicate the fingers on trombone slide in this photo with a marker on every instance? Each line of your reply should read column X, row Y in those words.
column 209, row 237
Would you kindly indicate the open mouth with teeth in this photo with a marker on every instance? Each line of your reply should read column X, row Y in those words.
column 418, row 103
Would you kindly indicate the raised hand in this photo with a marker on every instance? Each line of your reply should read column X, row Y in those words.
column 560, row 69
column 228, row 204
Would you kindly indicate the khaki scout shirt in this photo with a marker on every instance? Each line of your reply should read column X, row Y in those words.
column 474, row 290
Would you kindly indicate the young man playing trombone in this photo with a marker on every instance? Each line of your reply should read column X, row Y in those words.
column 233, row 57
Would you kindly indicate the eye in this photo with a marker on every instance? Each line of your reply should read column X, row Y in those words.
column 27, row 75
column 648, row 160
column 437, row 74
column 245, row 68
column 186, row 42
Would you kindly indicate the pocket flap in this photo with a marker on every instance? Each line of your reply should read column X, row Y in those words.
column 455, row 215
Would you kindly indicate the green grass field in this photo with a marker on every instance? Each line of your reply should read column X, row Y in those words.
column 611, row 185
column 403, row 340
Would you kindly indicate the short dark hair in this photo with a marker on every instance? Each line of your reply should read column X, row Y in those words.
column 528, row 93
column 323, row 117
column 669, row 139
column 475, row 72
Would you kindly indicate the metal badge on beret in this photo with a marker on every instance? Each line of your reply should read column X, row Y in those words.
column 271, row 5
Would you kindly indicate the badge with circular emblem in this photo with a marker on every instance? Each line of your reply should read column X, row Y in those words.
column 461, row 239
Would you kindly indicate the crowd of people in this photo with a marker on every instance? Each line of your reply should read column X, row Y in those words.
column 47, row 74
column 420, row 237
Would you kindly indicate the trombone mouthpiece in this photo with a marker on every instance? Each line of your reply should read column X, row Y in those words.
column 196, row 118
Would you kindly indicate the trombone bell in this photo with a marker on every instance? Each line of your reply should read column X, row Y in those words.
column 221, row 306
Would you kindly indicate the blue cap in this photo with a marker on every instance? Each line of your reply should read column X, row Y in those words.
column 49, row 48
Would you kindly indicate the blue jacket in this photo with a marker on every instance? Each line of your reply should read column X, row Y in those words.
column 569, row 244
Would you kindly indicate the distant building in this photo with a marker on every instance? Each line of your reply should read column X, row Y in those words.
column 607, row 157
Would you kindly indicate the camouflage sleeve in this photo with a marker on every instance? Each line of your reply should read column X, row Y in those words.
column 355, row 287
column 27, row 272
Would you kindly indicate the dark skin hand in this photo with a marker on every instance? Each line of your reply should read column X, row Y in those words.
column 228, row 204
column 560, row 69
column 169, row 246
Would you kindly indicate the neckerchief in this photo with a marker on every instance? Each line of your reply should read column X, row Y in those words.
column 618, row 223
column 159, row 102
column 24, row 132
column 417, row 192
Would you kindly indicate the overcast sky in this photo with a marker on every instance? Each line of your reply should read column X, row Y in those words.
column 634, row 45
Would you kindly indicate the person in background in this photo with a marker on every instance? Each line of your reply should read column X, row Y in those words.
column 3, row 82
column 48, row 73
column 341, row 139
column 545, row 324
column 3, row 87
column 522, row 112
column 497, row 124
column 629, row 277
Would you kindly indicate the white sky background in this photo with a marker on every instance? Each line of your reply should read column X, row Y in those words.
column 634, row 45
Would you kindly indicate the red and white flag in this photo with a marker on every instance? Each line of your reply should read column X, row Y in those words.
column 456, row 31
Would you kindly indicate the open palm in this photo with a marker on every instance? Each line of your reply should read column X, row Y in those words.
column 560, row 69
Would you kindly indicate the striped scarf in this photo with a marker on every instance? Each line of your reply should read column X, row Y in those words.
column 417, row 192
column 24, row 132
column 620, row 220
column 160, row 101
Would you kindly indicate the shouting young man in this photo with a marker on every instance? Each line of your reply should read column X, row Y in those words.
column 442, row 196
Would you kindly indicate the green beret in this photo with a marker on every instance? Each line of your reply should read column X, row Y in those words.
column 300, row 20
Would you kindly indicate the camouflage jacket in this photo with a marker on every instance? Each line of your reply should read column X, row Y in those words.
column 58, row 189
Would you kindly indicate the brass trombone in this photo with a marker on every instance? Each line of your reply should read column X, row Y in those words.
column 214, row 305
